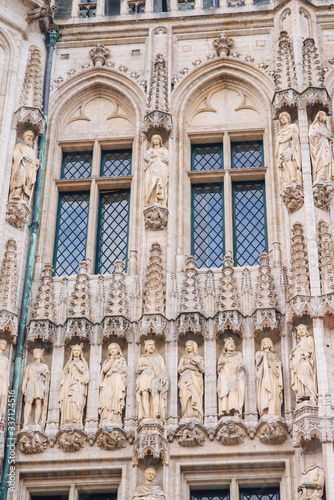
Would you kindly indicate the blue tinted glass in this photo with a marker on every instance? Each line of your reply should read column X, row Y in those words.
column 247, row 154
column 77, row 165
column 116, row 163
column 209, row 157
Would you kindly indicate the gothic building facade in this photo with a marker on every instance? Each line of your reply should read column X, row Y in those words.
column 167, row 250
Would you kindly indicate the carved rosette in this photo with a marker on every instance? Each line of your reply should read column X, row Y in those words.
column 293, row 197
column 323, row 194
column 190, row 434
column 151, row 441
column 99, row 55
column 156, row 217
column 71, row 439
column 111, row 438
column 272, row 431
column 32, row 441
column 223, row 45
column 231, row 432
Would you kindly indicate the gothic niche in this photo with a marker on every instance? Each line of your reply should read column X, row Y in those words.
column 191, row 371
column 303, row 369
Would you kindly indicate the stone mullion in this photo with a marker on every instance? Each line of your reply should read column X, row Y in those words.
column 130, row 408
column 248, row 348
column 321, row 366
column 92, row 416
column 172, row 363
column 285, row 350
column 210, row 376
column 328, row 455
column 58, row 353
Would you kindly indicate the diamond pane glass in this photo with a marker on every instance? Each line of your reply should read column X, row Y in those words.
column 113, row 231
column 77, row 165
column 209, row 157
column 98, row 496
column 249, row 222
column 71, row 233
column 260, row 494
column 210, row 495
column 208, row 225
column 116, row 163
column 247, row 154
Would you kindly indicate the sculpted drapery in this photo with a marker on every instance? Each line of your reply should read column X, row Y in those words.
column 35, row 388
column 288, row 151
column 156, row 173
column 149, row 490
column 152, row 384
column 302, row 364
column 112, row 387
column 191, row 369
column 73, row 390
column 321, row 148
column 269, row 380
column 24, row 168
column 4, row 378
column 231, row 380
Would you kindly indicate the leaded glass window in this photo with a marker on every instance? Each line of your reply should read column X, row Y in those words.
column 113, row 230
column 249, row 224
column 77, row 165
column 208, row 225
column 112, row 7
column 71, row 233
column 210, row 495
column 98, row 496
column 116, row 163
column 247, row 154
column 207, row 157
column 260, row 494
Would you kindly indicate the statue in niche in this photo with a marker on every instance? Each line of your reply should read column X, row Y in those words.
column 302, row 365
column 112, row 387
column 231, row 380
column 24, row 169
column 73, row 391
column 288, row 151
column 321, row 148
column 269, row 380
column 156, row 173
column 4, row 378
column 312, row 484
column 149, row 490
column 152, row 384
column 191, row 369
column 35, row 388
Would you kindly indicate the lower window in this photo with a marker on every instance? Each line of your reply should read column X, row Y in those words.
column 259, row 494
column 98, row 496
column 210, row 495
column 49, row 497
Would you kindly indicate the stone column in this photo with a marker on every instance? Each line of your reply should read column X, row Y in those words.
column 248, row 350
column 210, row 376
column 130, row 419
column 324, row 401
column 285, row 350
column 328, row 454
column 92, row 416
column 172, row 363
column 58, row 352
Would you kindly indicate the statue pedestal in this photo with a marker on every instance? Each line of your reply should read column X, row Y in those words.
column 32, row 440
column 17, row 213
column 156, row 217
column 111, row 437
column 293, row 197
column 323, row 194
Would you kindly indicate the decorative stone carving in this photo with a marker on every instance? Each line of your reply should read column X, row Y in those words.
column 35, row 388
column 99, row 55
column 152, row 384
column 157, row 120
column 149, row 490
column 265, row 286
column 71, row 439
column 231, row 433
column 44, row 330
column 321, row 148
column 190, row 434
column 223, row 45
column 87, row 9
column 326, row 261
column 117, row 303
column 117, row 326
column 266, row 319
column 73, row 392
column 228, row 295
column 246, row 291
column 288, row 152
column 80, row 303
column 272, row 432
column 284, row 98
column 231, row 380
column 158, row 94
column 229, row 320
column 314, row 73
column 28, row 117
column 299, row 276
column 293, row 197
column 269, row 380
column 112, row 387
column 81, row 328
column 4, row 378
column 151, row 442
column 32, row 441
column 312, row 483
column 308, row 428
column 190, row 293
column 111, row 438
column 152, row 324
column 8, row 282
column 32, row 92
column 44, row 16
column 210, row 293
column 154, row 295
column 23, row 177
column 155, row 217
column 191, row 370
column 323, row 194
column 302, row 365
column 44, row 307
column 286, row 70
column 301, row 305
column 190, row 322
column 156, row 173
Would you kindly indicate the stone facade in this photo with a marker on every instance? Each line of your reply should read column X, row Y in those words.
column 160, row 84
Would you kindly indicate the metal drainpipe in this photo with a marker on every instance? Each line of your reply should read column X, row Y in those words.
column 8, row 470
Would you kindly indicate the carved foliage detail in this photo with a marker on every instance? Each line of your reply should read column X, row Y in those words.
column 265, row 286
column 8, row 278
column 326, row 260
column 314, row 73
column 158, row 94
column 223, row 45
column 285, row 75
column 190, row 294
column 299, row 277
column 154, row 295
column 44, row 307
column 228, row 296
column 80, row 303
column 118, row 298
column 32, row 92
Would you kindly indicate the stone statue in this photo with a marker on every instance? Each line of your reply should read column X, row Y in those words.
column 321, row 148
column 149, row 490
column 302, row 365
column 312, row 484
column 152, row 384
column 112, row 387
column 73, row 391
column 288, row 151
column 269, row 380
column 24, row 168
column 231, row 380
column 4, row 378
column 156, row 173
column 35, row 388
column 191, row 369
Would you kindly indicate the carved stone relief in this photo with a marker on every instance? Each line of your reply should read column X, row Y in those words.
column 110, row 438
column 265, row 286
column 35, row 388
column 31, row 441
column 326, row 261
column 150, row 490
column 288, row 151
column 231, row 380
column 190, row 293
column 32, row 92
column 272, row 432
column 223, row 45
column 269, row 380
column 117, row 302
column 299, row 275
column 231, row 432
column 228, row 294
column 80, row 304
column 99, row 55
column 190, row 434
column 8, row 290
column 311, row 486
column 44, row 307
column 154, row 295
column 303, row 369
column 191, row 370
